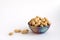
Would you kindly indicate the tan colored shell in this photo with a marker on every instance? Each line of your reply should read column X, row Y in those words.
column 43, row 20
column 11, row 33
column 45, row 23
column 41, row 25
column 36, row 25
column 32, row 22
column 25, row 31
column 48, row 23
column 17, row 30
column 37, row 18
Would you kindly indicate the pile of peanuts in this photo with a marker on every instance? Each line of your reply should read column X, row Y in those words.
column 39, row 22
column 25, row 31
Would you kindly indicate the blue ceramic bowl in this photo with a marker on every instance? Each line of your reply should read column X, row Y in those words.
column 39, row 30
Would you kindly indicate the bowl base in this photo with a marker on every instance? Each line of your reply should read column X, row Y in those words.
column 39, row 32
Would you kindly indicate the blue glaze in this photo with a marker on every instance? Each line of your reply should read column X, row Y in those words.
column 43, row 29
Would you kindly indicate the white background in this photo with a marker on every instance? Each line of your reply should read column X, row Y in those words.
column 16, row 14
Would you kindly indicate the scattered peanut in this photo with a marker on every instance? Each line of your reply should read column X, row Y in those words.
column 17, row 31
column 25, row 31
column 11, row 33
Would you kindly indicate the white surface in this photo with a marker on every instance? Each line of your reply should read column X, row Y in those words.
column 16, row 13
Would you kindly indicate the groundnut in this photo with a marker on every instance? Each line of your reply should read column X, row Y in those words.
column 29, row 23
column 36, row 25
column 45, row 24
column 11, row 33
column 36, row 20
column 25, row 31
column 38, row 17
column 41, row 25
column 39, row 21
column 47, row 20
column 32, row 19
column 17, row 31
column 33, row 23
column 48, row 23
column 43, row 20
